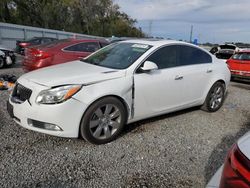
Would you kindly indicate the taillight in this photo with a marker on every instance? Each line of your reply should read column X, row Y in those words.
column 39, row 54
column 236, row 171
column 24, row 44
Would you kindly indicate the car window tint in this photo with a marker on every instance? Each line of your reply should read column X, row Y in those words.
column 35, row 41
column 83, row 47
column 165, row 57
column 46, row 40
column 241, row 56
column 190, row 55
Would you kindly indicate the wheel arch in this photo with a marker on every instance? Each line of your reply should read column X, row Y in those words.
column 122, row 100
column 211, row 85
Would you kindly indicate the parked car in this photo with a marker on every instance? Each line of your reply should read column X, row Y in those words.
column 21, row 45
column 7, row 57
column 224, row 51
column 60, row 51
column 235, row 173
column 239, row 65
column 119, row 84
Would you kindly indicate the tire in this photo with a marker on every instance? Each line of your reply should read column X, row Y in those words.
column 215, row 98
column 103, row 121
column 2, row 62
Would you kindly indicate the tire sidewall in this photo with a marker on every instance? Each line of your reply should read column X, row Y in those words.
column 217, row 84
column 84, row 126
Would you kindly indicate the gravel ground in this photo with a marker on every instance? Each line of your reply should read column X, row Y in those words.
column 182, row 149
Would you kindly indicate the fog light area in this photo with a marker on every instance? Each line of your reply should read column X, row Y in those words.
column 43, row 125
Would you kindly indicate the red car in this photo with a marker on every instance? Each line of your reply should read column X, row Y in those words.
column 239, row 64
column 60, row 51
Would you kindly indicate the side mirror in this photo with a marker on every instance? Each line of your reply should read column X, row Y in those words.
column 149, row 66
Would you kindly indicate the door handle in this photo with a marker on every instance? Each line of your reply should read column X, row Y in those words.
column 209, row 70
column 178, row 77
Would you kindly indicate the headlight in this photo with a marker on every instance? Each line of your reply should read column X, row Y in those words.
column 58, row 94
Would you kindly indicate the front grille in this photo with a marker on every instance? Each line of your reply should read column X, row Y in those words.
column 21, row 93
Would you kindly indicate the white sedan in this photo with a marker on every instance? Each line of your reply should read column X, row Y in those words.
column 119, row 84
column 235, row 173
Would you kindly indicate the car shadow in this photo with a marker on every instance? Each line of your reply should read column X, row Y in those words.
column 136, row 127
column 241, row 84
column 218, row 155
column 240, row 81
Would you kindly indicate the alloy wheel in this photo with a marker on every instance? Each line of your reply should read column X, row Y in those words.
column 216, row 97
column 105, row 121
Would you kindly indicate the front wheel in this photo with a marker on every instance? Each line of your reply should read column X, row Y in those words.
column 103, row 121
column 215, row 98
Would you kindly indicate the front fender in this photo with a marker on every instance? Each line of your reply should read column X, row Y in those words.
column 120, row 87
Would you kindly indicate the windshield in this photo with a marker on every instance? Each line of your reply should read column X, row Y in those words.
column 118, row 55
column 241, row 56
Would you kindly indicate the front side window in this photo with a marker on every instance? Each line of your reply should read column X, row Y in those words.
column 165, row 57
column 83, row 47
column 190, row 55
column 118, row 55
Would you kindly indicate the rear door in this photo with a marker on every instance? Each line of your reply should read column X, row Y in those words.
column 197, row 70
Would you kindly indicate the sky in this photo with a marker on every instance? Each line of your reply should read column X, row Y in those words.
column 215, row 21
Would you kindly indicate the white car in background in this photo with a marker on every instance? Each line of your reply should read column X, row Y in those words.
column 7, row 57
column 235, row 173
column 119, row 84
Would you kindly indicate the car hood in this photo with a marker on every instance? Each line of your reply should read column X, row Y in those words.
column 244, row 144
column 75, row 72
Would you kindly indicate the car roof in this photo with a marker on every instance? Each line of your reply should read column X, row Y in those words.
column 156, row 42
column 87, row 39
column 246, row 50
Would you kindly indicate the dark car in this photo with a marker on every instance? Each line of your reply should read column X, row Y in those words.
column 60, row 51
column 224, row 51
column 21, row 45
column 7, row 57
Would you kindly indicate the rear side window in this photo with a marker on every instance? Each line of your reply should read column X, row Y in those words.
column 241, row 56
column 46, row 40
column 190, row 55
column 35, row 41
column 83, row 47
column 165, row 57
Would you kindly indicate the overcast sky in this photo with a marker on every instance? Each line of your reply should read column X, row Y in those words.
column 213, row 20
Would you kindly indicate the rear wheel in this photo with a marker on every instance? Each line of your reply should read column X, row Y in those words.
column 215, row 97
column 103, row 121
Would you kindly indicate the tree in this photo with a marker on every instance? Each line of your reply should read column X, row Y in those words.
column 94, row 17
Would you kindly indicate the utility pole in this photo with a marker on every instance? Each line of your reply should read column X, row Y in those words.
column 150, row 28
column 191, row 34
